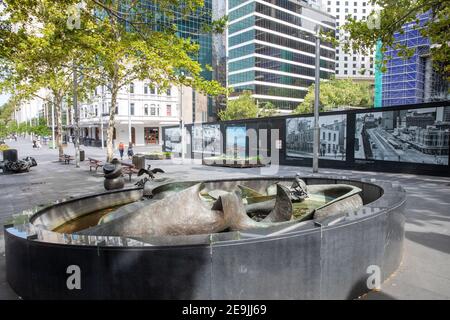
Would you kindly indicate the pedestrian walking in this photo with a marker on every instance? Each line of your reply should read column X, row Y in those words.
column 130, row 150
column 121, row 149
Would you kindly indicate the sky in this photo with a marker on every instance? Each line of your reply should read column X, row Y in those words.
column 3, row 98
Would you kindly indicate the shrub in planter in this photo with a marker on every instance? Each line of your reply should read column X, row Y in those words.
column 168, row 154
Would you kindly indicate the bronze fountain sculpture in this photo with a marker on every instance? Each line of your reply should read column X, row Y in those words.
column 202, row 208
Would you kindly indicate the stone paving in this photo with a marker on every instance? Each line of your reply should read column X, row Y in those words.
column 424, row 273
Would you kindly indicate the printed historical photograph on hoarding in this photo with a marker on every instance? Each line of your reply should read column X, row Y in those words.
column 197, row 139
column 236, row 141
column 300, row 137
column 415, row 135
column 212, row 142
column 172, row 138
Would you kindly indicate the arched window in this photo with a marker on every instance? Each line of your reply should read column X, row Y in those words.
column 152, row 110
column 146, row 109
column 132, row 87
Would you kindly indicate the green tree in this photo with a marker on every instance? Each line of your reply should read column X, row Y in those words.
column 338, row 93
column 267, row 109
column 127, row 48
column 37, row 53
column 113, row 42
column 382, row 25
column 244, row 107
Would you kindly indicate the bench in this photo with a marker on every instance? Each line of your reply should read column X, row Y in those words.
column 66, row 158
column 129, row 169
column 93, row 163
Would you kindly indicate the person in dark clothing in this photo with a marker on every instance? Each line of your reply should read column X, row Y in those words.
column 130, row 150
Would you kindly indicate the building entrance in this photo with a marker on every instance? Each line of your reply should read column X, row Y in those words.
column 151, row 135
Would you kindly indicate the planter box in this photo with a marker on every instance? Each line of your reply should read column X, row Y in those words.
column 155, row 157
column 238, row 163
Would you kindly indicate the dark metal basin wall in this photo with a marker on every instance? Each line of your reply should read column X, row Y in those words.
column 326, row 261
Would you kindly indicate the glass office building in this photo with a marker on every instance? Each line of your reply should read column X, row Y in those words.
column 271, row 49
column 189, row 26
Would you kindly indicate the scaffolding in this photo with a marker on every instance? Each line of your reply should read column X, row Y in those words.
column 405, row 79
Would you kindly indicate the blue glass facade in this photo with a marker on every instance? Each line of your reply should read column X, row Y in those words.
column 188, row 27
column 404, row 80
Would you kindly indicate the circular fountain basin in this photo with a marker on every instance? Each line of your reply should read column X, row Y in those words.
column 328, row 257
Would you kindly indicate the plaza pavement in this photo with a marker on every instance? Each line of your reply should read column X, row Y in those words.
column 423, row 274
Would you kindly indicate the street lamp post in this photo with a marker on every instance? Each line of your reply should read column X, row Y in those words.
column 129, row 116
column 181, row 123
column 53, row 124
column 101, row 116
column 316, row 105
column 77, row 117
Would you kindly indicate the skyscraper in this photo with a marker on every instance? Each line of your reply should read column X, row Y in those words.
column 350, row 65
column 271, row 49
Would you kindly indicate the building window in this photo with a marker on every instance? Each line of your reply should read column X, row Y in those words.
column 132, row 87
column 152, row 90
column 146, row 109
column 169, row 92
column 116, row 110
column 152, row 110
column 169, row 110
column 132, row 109
column 145, row 89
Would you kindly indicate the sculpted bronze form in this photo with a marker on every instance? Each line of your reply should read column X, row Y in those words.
column 188, row 208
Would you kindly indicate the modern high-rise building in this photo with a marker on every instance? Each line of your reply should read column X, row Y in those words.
column 412, row 80
column 350, row 65
column 271, row 49
column 192, row 26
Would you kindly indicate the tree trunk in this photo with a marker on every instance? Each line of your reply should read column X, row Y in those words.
column 110, row 129
column 58, row 118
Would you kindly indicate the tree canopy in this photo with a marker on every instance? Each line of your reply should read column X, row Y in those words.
column 246, row 107
column 110, row 43
column 338, row 93
column 392, row 15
